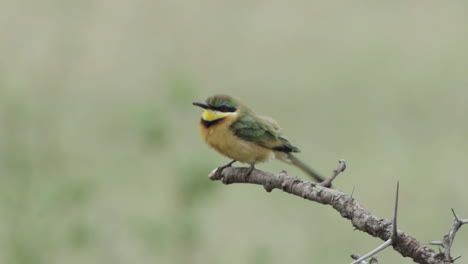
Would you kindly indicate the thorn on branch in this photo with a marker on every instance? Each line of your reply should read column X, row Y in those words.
column 393, row 239
column 455, row 215
column 352, row 192
column 395, row 214
column 341, row 167
column 375, row 251
column 436, row 243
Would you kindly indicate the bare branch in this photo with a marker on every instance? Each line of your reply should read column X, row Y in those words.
column 446, row 244
column 341, row 167
column 348, row 208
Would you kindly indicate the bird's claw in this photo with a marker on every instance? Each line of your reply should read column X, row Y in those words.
column 219, row 170
column 249, row 172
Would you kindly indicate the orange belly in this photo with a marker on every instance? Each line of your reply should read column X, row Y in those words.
column 222, row 139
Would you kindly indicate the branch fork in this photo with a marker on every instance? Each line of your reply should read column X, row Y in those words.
column 447, row 242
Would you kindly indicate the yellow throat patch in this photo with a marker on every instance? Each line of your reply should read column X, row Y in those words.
column 211, row 115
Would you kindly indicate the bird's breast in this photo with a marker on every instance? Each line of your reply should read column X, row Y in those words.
column 222, row 138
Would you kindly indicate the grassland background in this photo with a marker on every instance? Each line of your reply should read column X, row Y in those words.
column 101, row 161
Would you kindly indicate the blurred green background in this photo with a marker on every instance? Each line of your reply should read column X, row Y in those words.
column 101, row 158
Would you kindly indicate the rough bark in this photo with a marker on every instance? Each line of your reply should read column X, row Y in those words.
column 347, row 206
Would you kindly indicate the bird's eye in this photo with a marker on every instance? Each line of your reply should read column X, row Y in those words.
column 225, row 108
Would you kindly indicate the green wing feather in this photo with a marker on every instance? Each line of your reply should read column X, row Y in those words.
column 262, row 131
column 254, row 129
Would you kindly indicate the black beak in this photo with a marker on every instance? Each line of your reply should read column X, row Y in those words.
column 202, row 105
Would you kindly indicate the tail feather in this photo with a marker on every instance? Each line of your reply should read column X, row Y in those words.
column 293, row 160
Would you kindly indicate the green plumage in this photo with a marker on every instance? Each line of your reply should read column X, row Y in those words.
column 221, row 100
column 262, row 131
column 253, row 129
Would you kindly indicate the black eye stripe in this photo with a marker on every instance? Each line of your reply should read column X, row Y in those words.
column 225, row 109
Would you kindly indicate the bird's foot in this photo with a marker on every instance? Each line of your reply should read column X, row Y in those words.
column 252, row 167
column 220, row 169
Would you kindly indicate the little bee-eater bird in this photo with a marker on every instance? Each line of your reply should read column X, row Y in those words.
column 238, row 133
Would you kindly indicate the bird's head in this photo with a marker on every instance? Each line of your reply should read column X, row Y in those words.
column 218, row 107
